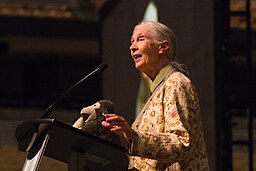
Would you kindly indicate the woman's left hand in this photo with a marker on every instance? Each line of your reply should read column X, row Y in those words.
column 118, row 125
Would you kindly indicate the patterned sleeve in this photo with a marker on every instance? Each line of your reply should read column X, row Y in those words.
column 180, row 107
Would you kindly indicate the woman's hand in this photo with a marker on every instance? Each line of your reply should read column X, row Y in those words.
column 118, row 125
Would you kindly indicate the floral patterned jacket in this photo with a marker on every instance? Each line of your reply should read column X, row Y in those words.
column 168, row 131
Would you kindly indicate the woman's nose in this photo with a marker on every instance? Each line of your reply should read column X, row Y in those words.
column 133, row 47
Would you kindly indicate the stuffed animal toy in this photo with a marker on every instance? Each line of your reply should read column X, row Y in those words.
column 91, row 118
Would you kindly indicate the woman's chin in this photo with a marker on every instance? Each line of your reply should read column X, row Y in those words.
column 138, row 66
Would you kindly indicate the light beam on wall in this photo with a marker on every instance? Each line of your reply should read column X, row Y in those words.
column 151, row 12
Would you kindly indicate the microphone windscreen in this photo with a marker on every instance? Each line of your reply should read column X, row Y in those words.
column 103, row 66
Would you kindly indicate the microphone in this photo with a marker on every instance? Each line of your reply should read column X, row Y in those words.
column 100, row 68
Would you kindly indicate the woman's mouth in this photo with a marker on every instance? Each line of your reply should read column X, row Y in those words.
column 137, row 56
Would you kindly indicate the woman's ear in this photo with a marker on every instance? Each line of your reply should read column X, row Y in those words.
column 164, row 47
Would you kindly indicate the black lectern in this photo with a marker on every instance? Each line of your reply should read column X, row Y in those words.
column 80, row 150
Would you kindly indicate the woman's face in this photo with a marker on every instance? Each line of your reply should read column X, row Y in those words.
column 144, row 48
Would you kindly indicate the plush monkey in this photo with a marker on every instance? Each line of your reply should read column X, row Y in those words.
column 91, row 118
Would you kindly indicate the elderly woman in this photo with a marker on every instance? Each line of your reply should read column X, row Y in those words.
column 167, row 135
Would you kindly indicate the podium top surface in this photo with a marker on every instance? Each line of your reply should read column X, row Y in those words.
column 65, row 139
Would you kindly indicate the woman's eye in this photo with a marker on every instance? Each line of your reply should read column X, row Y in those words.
column 141, row 38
